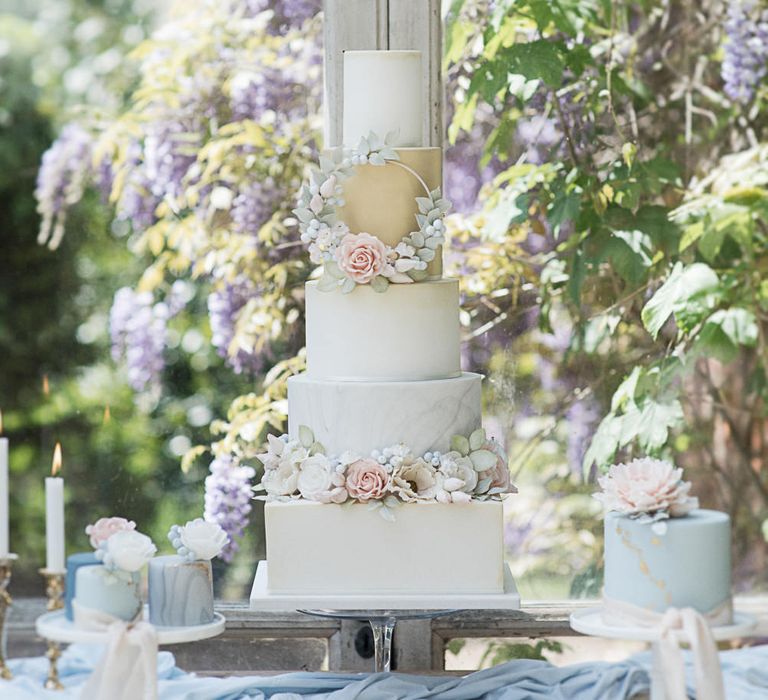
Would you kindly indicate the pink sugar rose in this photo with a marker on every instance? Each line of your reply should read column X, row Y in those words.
column 367, row 480
column 104, row 528
column 361, row 257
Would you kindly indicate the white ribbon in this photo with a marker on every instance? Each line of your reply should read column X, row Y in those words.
column 696, row 626
column 128, row 670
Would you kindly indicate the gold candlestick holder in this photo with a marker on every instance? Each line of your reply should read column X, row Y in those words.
column 6, row 565
column 54, row 591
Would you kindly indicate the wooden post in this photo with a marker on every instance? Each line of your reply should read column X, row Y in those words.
column 383, row 24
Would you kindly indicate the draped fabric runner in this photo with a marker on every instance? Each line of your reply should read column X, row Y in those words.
column 696, row 626
column 128, row 669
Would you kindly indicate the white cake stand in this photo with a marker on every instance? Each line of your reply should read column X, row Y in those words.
column 590, row 622
column 381, row 610
column 55, row 627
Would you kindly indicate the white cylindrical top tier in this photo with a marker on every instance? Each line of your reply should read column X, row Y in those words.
column 383, row 93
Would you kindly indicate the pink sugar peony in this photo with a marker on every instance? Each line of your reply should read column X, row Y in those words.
column 646, row 487
column 367, row 480
column 499, row 473
column 361, row 257
column 104, row 528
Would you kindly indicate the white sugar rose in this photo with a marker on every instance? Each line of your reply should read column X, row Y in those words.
column 319, row 481
column 460, row 477
column 646, row 487
column 203, row 539
column 282, row 479
column 415, row 482
column 126, row 550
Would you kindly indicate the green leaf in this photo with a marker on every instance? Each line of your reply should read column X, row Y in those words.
column 681, row 286
column 460, row 444
column 535, row 60
column 477, row 439
column 626, row 391
column 348, row 285
column 332, row 269
column 630, row 253
column 628, row 153
column 564, row 208
column 379, row 284
column 483, row 460
column 604, row 444
column 727, row 329
column 306, row 436
column 327, row 283
column 650, row 423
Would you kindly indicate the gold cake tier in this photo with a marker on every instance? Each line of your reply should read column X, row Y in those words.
column 381, row 199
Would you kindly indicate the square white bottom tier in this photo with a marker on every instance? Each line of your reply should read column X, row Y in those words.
column 430, row 549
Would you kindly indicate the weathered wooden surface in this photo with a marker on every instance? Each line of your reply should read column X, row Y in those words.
column 291, row 641
column 383, row 24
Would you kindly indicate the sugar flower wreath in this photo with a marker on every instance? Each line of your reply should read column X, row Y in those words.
column 475, row 468
column 350, row 259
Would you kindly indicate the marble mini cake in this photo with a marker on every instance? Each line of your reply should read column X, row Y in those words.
column 181, row 585
column 385, row 482
column 661, row 550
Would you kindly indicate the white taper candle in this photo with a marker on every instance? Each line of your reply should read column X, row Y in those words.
column 54, row 516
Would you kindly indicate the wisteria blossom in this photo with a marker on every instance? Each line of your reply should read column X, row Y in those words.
column 61, row 180
column 228, row 500
column 745, row 63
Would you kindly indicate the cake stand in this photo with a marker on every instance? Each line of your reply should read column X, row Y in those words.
column 55, row 627
column 590, row 622
column 381, row 610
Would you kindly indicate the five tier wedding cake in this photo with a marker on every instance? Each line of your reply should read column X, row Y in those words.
column 386, row 481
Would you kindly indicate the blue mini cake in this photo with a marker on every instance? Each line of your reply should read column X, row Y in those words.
column 74, row 562
column 659, row 571
column 100, row 589
column 181, row 585
column 661, row 550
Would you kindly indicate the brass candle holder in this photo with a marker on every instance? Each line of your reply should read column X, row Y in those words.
column 6, row 565
column 54, row 591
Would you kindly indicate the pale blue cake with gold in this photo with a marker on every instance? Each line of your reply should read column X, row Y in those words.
column 115, row 593
column 678, row 562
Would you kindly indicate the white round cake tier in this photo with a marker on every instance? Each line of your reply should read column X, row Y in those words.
column 383, row 93
column 366, row 416
column 409, row 332
column 689, row 565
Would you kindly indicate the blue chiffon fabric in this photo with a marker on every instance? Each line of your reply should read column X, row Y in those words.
column 745, row 670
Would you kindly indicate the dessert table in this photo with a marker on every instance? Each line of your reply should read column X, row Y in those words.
column 745, row 671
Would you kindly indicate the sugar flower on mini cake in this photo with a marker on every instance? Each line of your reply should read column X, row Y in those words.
column 104, row 528
column 126, row 550
column 646, row 488
column 198, row 540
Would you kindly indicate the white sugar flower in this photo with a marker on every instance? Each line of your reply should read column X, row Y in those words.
column 459, row 474
column 198, row 539
column 126, row 550
column 415, row 481
column 281, row 480
column 319, row 481
column 646, row 487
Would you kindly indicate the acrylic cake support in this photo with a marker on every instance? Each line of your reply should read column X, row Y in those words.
column 382, row 611
column 590, row 622
column 382, row 624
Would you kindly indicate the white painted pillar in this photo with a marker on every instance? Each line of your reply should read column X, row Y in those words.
column 383, row 24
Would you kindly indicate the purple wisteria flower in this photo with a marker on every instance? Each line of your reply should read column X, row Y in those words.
column 228, row 497
column 254, row 204
column 63, row 175
column 224, row 306
column 138, row 329
column 745, row 63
